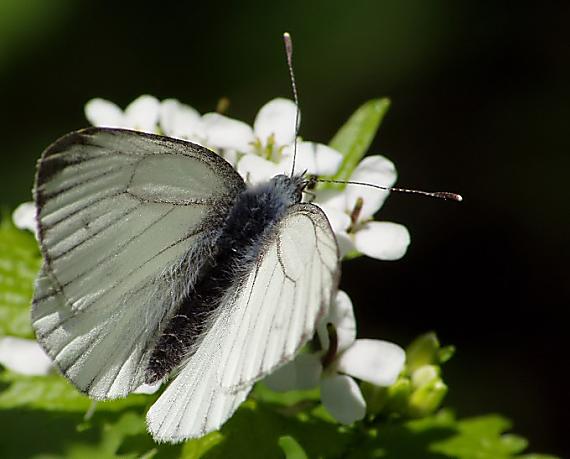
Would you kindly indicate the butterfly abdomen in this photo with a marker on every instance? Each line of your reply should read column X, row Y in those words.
column 251, row 220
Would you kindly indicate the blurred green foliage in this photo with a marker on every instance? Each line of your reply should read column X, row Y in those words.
column 355, row 137
column 22, row 23
column 19, row 263
column 44, row 417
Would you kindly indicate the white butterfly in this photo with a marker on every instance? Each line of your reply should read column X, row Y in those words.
column 159, row 260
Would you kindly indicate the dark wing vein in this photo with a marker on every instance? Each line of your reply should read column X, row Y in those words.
column 101, row 230
column 115, row 171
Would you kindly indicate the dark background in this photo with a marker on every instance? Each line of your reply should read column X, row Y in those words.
column 480, row 106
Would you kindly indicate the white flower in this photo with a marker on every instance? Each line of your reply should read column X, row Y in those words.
column 342, row 359
column 211, row 130
column 24, row 356
column 181, row 121
column 351, row 211
column 142, row 114
column 224, row 135
column 24, row 217
column 274, row 124
column 271, row 142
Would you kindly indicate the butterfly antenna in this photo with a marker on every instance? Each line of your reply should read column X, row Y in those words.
column 289, row 54
column 434, row 194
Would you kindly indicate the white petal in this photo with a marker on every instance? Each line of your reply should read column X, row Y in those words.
column 341, row 315
column 147, row 388
column 255, row 169
column 342, row 398
column 283, row 379
column 24, row 216
column 340, row 223
column 227, row 133
column 382, row 240
column 315, row 158
column 101, row 112
column 277, row 118
column 338, row 219
column 180, row 120
column 375, row 170
column 374, row 361
column 332, row 198
column 142, row 114
column 345, row 244
column 24, row 356
column 309, row 370
column 302, row 373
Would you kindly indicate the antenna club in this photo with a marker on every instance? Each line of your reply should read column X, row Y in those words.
column 449, row 196
column 288, row 45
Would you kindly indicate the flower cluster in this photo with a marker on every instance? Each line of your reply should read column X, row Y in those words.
column 339, row 359
column 266, row 149
column 258, row 153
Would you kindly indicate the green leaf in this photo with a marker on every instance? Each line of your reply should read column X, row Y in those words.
column 441, row 436
column 54, row 393
column 481, row 437
column 51, row 410
column 291, row 448
column 291, row 398
column 19, row 263
column 356, row 135
column 117, row 427
column 195, row 449
column 257, row 429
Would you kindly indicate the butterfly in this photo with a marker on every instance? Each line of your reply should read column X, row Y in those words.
column 159, row 261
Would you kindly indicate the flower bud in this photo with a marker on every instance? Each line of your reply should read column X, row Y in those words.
column 422, row 351
column 426, row 399
column 398, row 395
column 424, row 375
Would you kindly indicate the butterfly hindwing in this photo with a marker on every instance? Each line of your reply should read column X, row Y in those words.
column 125, row 220
column 276, row 311
column 261, row 323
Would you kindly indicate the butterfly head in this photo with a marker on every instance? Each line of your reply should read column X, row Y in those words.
column 291, row 187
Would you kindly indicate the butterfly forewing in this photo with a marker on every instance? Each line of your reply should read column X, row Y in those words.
column 125, row 219
column 262, row 322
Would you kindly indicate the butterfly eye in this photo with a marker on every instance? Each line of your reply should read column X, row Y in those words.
column 311, row 182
